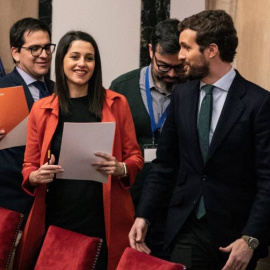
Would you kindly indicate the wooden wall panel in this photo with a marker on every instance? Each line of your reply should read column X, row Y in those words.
column 10, row 12
column 253, row 26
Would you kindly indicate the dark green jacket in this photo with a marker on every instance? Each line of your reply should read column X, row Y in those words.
column 128, row 85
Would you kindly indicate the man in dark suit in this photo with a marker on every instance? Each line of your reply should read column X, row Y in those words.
column 151, row 86
column 31, row 50
column 217, row 139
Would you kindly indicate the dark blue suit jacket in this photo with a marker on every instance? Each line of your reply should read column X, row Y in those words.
column 235, row 181
column 11, row 194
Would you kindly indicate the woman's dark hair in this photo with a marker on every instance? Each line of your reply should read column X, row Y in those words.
column 96, row 92
column 213, row 26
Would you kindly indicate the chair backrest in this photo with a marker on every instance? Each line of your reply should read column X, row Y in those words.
column 10, row 222
column 134, row 260
column 65, row 250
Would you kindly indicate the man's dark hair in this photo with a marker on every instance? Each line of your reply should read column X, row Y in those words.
column 16, row 33
column 166, row 35
column 96, row 92
column 213, row 26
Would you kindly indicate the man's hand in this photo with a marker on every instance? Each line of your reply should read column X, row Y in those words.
column 2, row 134
column 239, row 257
column 137, row 235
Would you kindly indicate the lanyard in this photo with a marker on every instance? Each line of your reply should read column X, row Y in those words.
column 161, row 120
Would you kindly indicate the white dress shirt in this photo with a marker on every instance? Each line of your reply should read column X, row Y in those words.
column 29, row 82
column 220, row 92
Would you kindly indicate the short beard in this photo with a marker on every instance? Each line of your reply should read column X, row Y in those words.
column 198, row 72
column 165, row 86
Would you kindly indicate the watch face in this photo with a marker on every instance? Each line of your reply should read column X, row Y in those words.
column 253, row 243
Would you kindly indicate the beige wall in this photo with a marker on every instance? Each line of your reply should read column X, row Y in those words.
column 116, row 27
column 251, row 17
column 184, row 8
column 114, row 24
column 252, row 22
column 10, row 12
column 253, row 26
column 230, row 6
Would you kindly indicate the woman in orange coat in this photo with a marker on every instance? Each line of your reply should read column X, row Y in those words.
column 87, row 207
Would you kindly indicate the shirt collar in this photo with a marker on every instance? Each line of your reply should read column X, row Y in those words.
column 224, row 83
column 151, row 81
column 26, row 77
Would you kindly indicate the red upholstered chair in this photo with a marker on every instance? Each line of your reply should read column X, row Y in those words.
column 135, row 260
column 10, row 222
column 66, row 250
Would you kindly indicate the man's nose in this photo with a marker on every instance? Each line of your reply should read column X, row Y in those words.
column 43, row 54
column 181, row 55
column 171, row 73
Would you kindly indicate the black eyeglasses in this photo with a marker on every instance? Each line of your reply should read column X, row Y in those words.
column 36, row 50
column 167, row 68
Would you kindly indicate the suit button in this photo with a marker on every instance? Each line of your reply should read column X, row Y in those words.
column 204, row 177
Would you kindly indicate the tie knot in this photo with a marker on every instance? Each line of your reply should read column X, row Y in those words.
column 208, row 88
column 40, row 85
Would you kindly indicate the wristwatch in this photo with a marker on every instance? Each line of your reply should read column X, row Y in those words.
column 252, row 242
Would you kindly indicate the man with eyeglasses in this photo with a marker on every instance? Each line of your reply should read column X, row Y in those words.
column 148, row 91
column 31, row 50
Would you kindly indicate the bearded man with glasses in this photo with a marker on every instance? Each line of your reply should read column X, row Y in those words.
column 31, row 50
column 148, row 91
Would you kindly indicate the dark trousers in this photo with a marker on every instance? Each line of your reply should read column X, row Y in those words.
column 194, row 247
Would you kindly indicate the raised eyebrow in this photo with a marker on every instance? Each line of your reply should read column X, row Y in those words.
column 92, row 56
column 163, row 63
column 38, row 45
column 34, row 45
column 80, row 53
column 74, row 53
column 183, row 44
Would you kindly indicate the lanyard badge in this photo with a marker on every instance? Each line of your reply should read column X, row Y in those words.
column 150, row 149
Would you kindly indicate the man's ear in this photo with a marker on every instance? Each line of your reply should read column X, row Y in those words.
column 15, row 54
column 213, row 50
column 151, row 53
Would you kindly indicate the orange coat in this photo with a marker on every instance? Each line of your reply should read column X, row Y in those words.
column 118, row 207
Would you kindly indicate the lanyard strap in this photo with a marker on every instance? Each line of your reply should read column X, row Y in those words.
column 161, row 120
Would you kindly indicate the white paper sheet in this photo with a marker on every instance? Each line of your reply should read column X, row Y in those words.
column 16, row 137
column 79, row 143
